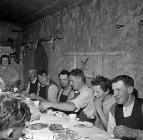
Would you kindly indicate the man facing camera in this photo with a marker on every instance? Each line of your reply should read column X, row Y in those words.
column 66, row 92
column 48, row 89
column 126, row 116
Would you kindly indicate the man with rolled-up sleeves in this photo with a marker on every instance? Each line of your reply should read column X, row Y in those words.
column 82, row 103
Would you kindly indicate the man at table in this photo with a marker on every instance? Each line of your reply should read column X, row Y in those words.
column 32, row 87
column 126, row 117
column 83, row 103
column 66, row 92
column 48, row 89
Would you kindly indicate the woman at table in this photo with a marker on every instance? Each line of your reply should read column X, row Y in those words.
column 48, row 89
column 8, row 73
column 13, row 116
column 104, row 100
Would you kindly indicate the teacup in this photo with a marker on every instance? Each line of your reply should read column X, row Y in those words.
column 15, row 89
column 72, row 116
column 36, row 103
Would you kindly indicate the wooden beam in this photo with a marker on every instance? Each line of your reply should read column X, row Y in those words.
column 93, row 53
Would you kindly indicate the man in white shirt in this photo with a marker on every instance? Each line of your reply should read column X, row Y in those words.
column 125, row 117
column 81, row 104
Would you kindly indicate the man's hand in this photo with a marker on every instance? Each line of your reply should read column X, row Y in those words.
column 42, row 109
column 47, row 104
column 123, row 131
column 44, row 105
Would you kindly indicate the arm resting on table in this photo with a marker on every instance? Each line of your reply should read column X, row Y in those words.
column 61, row 106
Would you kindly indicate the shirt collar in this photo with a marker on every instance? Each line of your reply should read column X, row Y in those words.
column 128, row 109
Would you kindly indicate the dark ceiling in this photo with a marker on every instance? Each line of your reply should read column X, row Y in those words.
column 24, row 12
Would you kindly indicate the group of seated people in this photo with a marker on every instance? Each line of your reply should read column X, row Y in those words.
column 8, row 73
column 108, row 104
column 42, row 87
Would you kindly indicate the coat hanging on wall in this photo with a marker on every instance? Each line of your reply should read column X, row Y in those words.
column 40, row 58
column 16, row 50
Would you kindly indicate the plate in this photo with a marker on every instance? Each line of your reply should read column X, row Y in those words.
column 68, row 135
column 56, row 128
column 38, row 126
column 83, row 124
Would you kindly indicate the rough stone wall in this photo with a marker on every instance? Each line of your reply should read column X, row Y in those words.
column 99, row 26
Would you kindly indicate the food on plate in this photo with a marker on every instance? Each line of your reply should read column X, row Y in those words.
column 80, row 125
column 37, row 126
column 72, row 134
column 56, row 128
column 83, row 124
column 43, row 110
column 18, row 96
column 68, row 135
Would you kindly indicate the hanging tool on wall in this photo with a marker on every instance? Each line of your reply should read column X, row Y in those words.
column 118, row 26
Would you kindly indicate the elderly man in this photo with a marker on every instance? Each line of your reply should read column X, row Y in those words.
column 66, row 92
column 126, row 116
column 83, row 103
column 32, row 87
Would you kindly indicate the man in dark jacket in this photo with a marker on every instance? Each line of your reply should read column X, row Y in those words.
column 32, row 87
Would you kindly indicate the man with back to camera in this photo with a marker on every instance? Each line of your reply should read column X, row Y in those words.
column 126, row 116
column 82, row 104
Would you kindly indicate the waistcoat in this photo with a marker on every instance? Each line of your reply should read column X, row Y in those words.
column 33, row 87
column 134, row 121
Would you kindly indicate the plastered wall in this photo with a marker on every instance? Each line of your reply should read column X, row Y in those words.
column 102, row 37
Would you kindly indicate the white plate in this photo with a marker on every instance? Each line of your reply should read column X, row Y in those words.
column 38, row 126
column 83, row 124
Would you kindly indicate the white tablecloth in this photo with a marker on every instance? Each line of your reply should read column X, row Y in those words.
column 85, row 133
